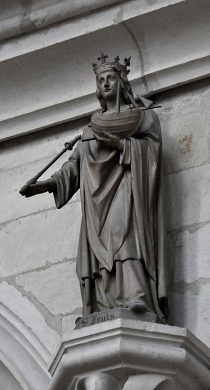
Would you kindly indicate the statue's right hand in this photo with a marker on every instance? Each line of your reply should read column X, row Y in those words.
column 39, row 187
column 29, row 190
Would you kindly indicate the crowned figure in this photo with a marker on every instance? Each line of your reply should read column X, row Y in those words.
column 117, row 165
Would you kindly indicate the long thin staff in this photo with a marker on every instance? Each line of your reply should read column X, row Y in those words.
column 118, row 96
column 68, row 146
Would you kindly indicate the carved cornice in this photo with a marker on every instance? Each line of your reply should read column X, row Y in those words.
column 46, row 76
column 18, row 17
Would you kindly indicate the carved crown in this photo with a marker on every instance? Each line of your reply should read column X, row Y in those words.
column 104, row 65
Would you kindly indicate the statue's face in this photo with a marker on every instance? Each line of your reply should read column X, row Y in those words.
column 107, row 84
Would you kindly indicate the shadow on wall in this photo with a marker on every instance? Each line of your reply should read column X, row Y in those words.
column 177, row 299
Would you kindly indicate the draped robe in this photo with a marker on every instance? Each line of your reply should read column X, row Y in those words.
column 122, row 216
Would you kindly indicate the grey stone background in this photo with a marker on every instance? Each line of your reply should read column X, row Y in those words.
column 39, row 291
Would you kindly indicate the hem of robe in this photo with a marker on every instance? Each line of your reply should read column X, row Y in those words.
column 152, row 285
column 96, row 274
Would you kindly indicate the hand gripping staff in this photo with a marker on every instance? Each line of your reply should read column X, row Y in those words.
column 68, row 146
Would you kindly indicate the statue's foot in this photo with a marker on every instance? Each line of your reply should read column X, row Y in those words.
column 138, row 306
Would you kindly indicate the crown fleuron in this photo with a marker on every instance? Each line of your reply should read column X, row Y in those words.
column 104, row 65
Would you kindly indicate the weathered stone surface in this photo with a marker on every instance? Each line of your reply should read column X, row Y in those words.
column 7, row 378
column 34, row 149
column 189, row 254
column 185, row 119
column 190, row 280
column 190, row 307
column 68, row 323
column 14, row 177
column 203, row 311
column 57, row 287
column 24, row 357
column 40, row 335
column 19, row 206
column 183, row 307
column 18, row 18
column 40, row 239
column 187, row 197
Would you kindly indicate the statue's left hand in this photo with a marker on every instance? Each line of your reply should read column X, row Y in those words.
column 110, row 140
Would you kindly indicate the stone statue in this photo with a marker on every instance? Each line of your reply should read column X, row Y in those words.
column 117, row 165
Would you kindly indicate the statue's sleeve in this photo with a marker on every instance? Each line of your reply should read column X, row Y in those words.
column 67, row 179
column 125, row 155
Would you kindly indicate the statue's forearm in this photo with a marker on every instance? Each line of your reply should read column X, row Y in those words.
column 40, row 187
column 51, row 185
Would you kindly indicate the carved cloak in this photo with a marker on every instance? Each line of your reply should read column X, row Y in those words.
column 122, row 205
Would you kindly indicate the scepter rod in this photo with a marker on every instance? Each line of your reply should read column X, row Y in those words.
column 149, row 108
column 68, row 146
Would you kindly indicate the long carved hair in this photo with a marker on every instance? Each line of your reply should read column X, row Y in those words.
column 125, row 90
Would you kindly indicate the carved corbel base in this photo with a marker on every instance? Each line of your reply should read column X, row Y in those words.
column 103, row 381
column 131, row 355
column 150, row 382
column 98, row 381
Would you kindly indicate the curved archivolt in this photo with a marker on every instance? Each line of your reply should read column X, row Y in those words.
column 23, row 365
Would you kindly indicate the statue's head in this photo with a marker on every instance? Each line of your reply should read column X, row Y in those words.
column 111, row 79
column 107, row 83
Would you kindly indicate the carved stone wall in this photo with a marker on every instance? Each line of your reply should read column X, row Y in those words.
column 41, row 60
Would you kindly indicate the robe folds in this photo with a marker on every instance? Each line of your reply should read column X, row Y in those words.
column 122, row 230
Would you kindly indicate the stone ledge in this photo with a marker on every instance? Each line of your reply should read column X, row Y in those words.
column 139, row 347
column 113, row 314
column 17, row 19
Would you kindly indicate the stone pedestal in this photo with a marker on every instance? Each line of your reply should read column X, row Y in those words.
column 129, row 354
column 113, row 314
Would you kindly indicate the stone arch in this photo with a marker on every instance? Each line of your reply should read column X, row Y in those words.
column 24, row 358
column 8, row 377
